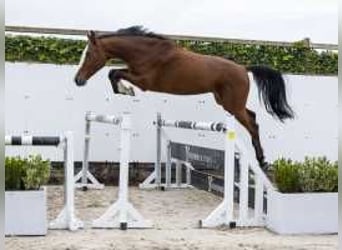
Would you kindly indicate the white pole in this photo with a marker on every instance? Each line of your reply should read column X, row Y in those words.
column 168, row 166
column 229, row 159
column 69, row 180
column 157, row 165
column 178, row 173
column 259, row 200
column 66, row 218
column 210, row 183
column 124, row 169
column 86, row 153
column 187, row 166
column 244, row 185
column 188, row 176
column 223, row 214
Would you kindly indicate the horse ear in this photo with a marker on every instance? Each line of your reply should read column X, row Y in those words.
column 91, row 36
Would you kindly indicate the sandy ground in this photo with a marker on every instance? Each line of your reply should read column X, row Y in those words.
column 175, row 215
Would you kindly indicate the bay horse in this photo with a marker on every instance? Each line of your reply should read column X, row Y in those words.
column 156, row 63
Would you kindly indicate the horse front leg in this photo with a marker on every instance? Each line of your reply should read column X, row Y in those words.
column 114, row 76
column 136, row 80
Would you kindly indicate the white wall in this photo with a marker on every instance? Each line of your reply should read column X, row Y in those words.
column 43, row 99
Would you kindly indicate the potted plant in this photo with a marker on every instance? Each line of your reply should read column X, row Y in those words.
column 25, row 196
column 306, row 201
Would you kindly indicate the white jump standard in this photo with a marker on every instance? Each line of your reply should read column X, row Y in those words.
column 223, row 214
column 84, row 175
column 226, row 213
column 66, row 218
column 121, row 214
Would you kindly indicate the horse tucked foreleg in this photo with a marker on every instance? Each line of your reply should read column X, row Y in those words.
column 114, row 76
column 134, row 79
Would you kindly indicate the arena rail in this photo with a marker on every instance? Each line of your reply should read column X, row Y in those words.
column 79, row 32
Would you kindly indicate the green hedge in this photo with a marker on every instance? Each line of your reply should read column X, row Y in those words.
column 298, row 59
column 312, row 175
column 26, row 173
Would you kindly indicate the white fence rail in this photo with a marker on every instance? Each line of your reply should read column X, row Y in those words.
column 78, row 32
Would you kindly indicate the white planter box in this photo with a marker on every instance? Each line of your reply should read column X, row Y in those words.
column 302, row 213
column 25, row 212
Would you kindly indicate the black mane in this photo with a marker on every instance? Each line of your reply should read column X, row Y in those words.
column 134, row 31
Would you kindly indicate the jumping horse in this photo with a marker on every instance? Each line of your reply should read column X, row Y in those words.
column 156, row 63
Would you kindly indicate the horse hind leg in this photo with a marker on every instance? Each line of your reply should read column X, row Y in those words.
column 256, row 139
column 234, row 101
column 247, row 119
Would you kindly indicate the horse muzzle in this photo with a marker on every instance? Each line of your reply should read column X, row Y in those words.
column 80, row 82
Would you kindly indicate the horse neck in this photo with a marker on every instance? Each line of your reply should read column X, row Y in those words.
column 133, row 50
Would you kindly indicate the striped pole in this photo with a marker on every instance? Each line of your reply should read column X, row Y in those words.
column 30, row 140
column 209, row 126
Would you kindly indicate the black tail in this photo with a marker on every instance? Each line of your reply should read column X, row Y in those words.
column 271, row 87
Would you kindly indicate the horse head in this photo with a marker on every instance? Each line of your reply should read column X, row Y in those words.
column 92, row 59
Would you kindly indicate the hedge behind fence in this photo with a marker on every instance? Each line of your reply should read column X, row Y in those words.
column 298, row 59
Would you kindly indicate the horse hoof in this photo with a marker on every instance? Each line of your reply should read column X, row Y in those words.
column 112, row 74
